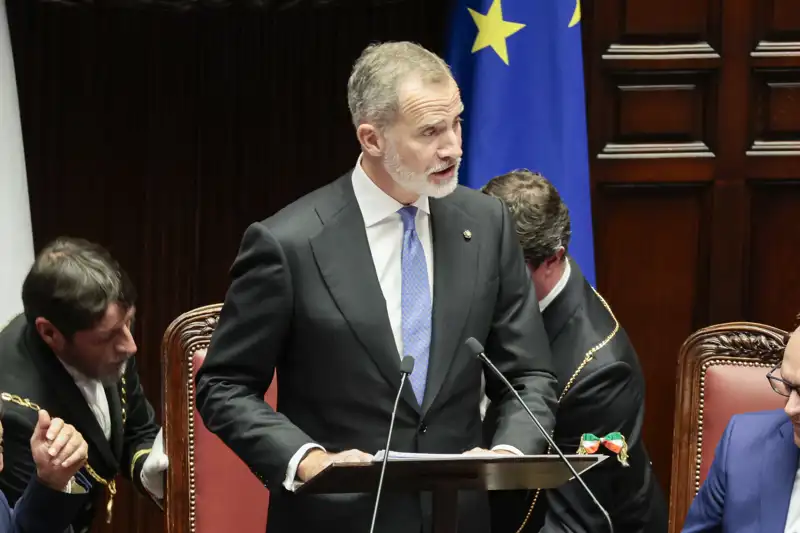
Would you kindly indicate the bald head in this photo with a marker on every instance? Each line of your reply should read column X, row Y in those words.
column 791, row 357
column 790, row 371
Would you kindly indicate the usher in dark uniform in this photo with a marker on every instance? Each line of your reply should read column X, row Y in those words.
column 605, row 394
column 33, row 378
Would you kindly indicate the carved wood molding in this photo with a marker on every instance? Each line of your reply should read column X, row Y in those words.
column 192, row 330
column 198, row 331
column 185, row 335
column 744, row 344
column 655, row 150
column 776, row 49
column 702, row 50
column 774, row 148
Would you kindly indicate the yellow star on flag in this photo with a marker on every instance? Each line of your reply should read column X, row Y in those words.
column 493, row 30
column 576, row 15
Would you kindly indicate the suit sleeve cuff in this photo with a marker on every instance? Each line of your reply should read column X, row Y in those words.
column 507, row 448
column 289, row 482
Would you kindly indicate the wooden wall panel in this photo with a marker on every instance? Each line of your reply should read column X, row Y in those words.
column 652, row 272
column 692, row 97
column 777, row 20
column 773, row 293
column 659, row 112
column 683, row 19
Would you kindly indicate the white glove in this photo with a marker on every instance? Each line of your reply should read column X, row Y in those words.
column 154, row 466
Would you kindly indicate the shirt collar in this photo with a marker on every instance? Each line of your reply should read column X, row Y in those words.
column 375, row 204
column 562, row 282
column 77, row 375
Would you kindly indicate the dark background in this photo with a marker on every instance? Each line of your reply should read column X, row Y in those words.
column 162, row 132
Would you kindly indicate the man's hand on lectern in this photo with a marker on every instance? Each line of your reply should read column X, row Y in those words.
column 317, row 460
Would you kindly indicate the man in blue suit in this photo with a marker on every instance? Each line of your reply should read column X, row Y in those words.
column 753, row 484
column 58, row 491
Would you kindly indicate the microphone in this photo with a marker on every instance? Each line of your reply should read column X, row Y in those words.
column 477, row 350
column 406, row 368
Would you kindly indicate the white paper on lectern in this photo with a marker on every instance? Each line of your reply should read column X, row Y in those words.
column 409, row 456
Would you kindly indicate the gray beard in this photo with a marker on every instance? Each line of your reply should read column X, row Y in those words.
column 113, row 379
column 417, row 182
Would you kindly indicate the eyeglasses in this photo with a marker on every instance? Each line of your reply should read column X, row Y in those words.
column 780, row 385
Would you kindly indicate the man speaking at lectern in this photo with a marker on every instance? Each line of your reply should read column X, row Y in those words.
column 391, row 259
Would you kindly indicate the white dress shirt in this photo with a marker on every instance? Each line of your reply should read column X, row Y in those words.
column 95, row 395
column 385, row 236
column 384, row 229
column 562, row 282
column 793, row 515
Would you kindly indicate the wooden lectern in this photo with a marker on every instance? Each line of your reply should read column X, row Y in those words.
column 445, row 476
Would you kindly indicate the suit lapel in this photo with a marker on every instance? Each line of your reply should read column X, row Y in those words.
column 778, row 469
column 70, row 400
column 344, row 259
column 455, row 265
column 117, row 427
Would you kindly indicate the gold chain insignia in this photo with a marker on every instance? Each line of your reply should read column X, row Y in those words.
column 111, row 485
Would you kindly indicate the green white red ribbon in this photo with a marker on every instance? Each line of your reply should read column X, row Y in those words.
column 614, row 442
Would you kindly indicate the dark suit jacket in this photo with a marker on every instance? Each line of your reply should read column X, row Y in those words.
column 33, row 378
column 607, row 395
column 40, row 510
column 305, row 299
column 749, row 484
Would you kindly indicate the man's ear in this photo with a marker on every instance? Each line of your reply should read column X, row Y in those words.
column 551, row 262
column 50, row 334
column 371, row 139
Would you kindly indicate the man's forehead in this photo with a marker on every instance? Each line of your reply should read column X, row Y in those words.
column 792, row 353
column 419, row 100
column 790, row 365
column 115, row 315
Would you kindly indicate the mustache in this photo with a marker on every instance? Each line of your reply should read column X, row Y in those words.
column 444, row 165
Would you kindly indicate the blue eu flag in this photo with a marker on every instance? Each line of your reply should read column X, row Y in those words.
column 520, row 69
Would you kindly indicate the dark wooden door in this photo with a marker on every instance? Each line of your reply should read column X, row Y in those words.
column 694, row 126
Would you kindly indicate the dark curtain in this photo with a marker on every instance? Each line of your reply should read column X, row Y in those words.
column 184, row 5
column 162, row 133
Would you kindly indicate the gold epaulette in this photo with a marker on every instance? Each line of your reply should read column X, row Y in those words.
column 111, row 485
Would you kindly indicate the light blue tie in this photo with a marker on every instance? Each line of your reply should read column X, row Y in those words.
column 416, row 303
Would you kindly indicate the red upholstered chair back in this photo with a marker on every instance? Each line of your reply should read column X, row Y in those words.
column 721, row 372
column 209, row 489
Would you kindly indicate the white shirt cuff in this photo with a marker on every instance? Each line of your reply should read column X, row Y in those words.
column 291, row 470
column 507, row 448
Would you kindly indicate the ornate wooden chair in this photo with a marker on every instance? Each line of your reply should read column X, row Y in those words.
column 721, row 372
column 209, row 489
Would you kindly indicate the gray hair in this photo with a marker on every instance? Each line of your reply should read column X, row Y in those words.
column 541, row 216
column 372, row 90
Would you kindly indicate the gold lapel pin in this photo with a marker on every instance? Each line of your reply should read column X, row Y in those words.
column 467, row 234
